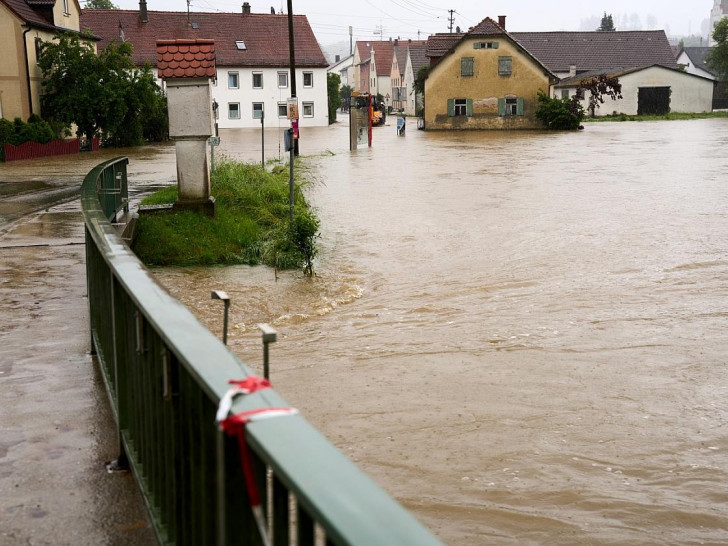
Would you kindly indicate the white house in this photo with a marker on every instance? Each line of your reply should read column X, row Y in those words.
column 343, row 67
column 416, row 59
column 252, row 58
column 650, row 90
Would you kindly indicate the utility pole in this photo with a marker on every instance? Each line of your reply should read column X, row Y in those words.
column 451, row 19
column 292, row 52
column 351, row 40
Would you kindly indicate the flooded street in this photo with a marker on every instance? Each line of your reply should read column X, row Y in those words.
column 521, row 336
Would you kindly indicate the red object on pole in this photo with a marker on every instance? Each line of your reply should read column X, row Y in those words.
column 370, row 112
column 294, row 126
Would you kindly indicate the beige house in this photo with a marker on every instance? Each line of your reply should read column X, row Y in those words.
column 24, row 24
column 485, row 80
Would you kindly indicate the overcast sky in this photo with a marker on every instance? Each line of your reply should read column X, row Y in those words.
column 404, row 18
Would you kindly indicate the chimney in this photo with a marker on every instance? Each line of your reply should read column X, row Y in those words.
column 502, row 21
column 338, row 58
column 246, row 8
column 143, row 11
column 572, row 70
column 396, row 41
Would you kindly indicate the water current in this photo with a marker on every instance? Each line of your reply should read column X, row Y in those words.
column 522, row 336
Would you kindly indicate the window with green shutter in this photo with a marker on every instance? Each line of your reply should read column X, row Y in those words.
column 510, row 106
column 505, row 66
column 467, row 67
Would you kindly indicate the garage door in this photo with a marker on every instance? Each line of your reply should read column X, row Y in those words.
column 653, row 101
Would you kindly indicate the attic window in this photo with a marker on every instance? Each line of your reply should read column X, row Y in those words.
column 485, row 45
column 195, row 25
column 240, row 45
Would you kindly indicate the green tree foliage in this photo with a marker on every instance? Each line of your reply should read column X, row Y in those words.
column 717, row 59
column 333, row 81
column 419, row 83
column 17, row 132
column 559, row 114
column 345, row 94
column 102, row 94
column 607, row 24
column 100, row 4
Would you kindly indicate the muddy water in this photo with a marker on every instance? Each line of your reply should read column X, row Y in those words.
column 521, row 336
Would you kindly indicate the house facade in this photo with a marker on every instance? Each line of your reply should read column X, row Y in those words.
column 692, row 60
column 654, row 90
column 416, row 59
column 485, row 80
column 252, row 58
column 24, row 25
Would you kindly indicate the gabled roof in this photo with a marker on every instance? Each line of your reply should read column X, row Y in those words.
column 487, row 28
column 28, row 15
column 264, row 37
column 618, row 73
column 383, row 52
column 697, row 56
column 400, row 52
column 418, row 56
column 598, row 50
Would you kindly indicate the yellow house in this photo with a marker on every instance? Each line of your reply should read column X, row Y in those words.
column 483, row 79
column 24, row 24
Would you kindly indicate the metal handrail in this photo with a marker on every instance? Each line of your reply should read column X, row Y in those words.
column 165, row 374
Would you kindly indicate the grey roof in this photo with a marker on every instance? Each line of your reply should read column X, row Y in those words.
column 418, row 56
column 697, row 56
column 598, row 50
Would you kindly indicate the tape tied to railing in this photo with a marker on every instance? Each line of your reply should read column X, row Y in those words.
column 234, row 425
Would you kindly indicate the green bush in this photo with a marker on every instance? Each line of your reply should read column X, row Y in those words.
column 559, row 114
column 17, row 132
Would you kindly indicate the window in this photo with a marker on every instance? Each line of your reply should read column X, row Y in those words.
column 564, row 93
column 485, row 45
column 233, row 110
column 65, row 8
column 38, row 43
column 308, row 79
column 466, row 66
column 307, row 109
column 282, row 110
column 257, row 80
column 459, row 107
column 240, row 45
column 282, row 80
column 257, row 110
column 510, row 106
column 505, row 66
column 233, row 82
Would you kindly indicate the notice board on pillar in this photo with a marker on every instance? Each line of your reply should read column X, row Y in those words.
column 292, row 108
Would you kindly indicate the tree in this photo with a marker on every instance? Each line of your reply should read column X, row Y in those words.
column 607, row 23
column 717, row 58
column 102, row 94
column 333, row 81
column 100, row 4
column 345, row 94
column 419, row 83
column 568, row 113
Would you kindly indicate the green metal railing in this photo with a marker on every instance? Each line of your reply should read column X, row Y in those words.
column 166, row 373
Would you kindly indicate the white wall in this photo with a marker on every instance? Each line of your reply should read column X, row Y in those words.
column 690, row 68
column 270, row 95
column 690, row 94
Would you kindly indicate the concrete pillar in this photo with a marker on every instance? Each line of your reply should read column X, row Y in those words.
column 187, row 67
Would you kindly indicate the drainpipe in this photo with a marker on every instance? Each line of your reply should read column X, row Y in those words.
column 27, row 70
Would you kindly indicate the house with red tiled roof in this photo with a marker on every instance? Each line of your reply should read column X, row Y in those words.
column 252, row 59
column 24, row 25
column 483, row 79
column 373, row 68
column 402, row 86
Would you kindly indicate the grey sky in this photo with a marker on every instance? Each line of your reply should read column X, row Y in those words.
column 404, row 18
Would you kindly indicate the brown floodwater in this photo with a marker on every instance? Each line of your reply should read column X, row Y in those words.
column 521, row 336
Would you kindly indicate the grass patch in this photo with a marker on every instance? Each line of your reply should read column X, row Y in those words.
column 668, row 116
column 251, row 224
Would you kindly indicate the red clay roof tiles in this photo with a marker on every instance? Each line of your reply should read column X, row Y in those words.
column 265, row 35
column 186, row 58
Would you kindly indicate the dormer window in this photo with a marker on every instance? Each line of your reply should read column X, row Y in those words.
column 240, row 45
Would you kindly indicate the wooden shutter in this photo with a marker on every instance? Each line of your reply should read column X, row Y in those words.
column 450, row 107
column 501, row 107
column 519, row 106
column 469, row 107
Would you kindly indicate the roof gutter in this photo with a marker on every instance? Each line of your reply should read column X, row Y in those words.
column 27, row 69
